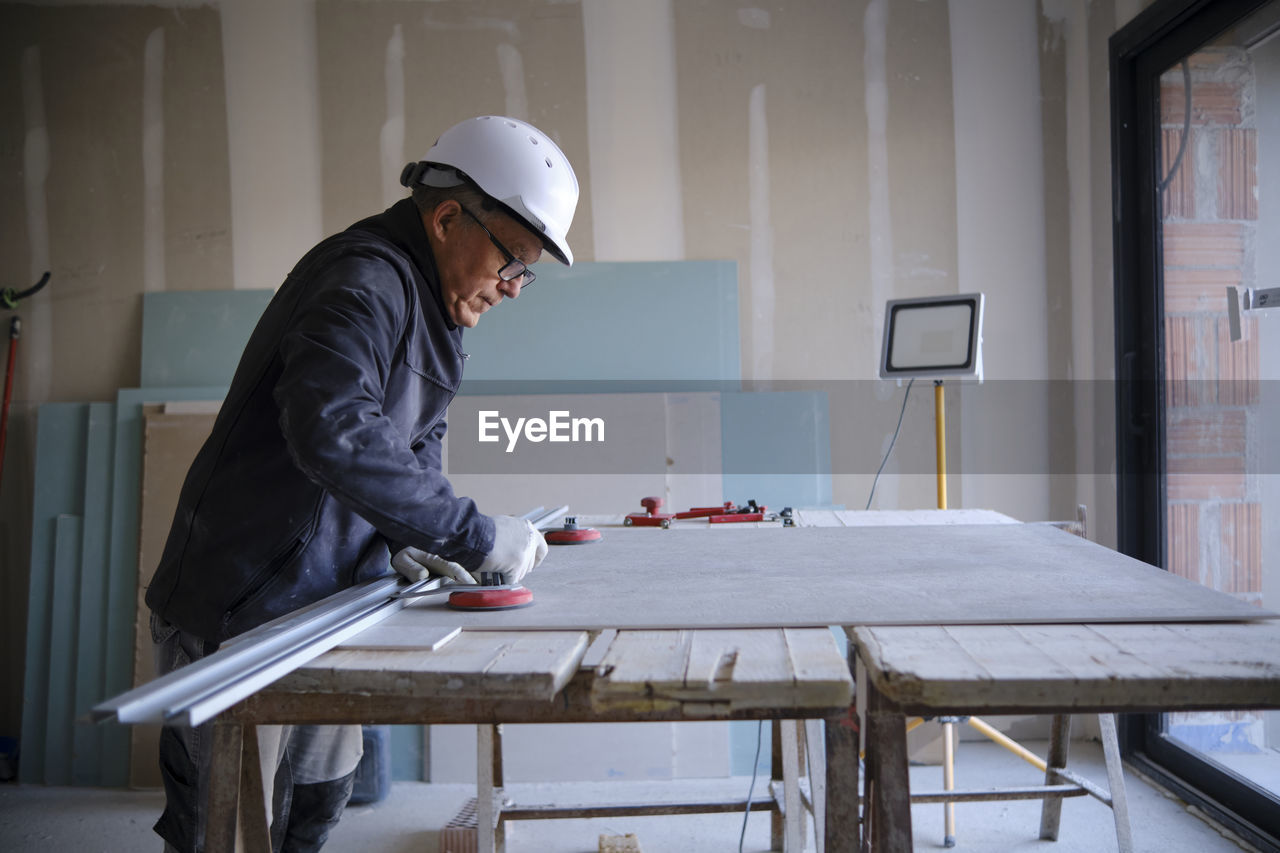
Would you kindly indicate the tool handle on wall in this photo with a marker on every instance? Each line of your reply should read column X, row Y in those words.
column 15, row 331
column 10, row 297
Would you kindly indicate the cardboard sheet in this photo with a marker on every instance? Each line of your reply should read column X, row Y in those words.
column 722, row 576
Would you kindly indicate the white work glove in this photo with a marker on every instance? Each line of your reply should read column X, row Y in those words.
column 517, row 548
column 417, row 565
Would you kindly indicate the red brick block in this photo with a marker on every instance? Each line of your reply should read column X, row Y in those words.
column 1240, row 570
column 1206, row 478
column 1201, row 291
column 460, row 833
column 1179, row 198
column 1239, row 364
column 1211, row 103
column 1206, row 433
column 1238, row 173
column 1203, row 244
column 1182, row 537
column 1191, row 349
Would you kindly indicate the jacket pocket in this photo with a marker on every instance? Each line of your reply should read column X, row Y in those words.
column 421, row 368
column 416, row 401
column 260, row 582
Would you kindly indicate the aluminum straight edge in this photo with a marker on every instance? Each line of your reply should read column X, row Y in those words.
column 217, row 698
column 214, row 701
column 269, row 651
column 542, row 519
column 156, row 701
column 538, row 516
column 352, row 598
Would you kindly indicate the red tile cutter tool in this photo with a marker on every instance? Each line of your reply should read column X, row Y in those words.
column 571, row 534
column 464, row 596
column 732, row 514
column 650, row 517
column 726, row 513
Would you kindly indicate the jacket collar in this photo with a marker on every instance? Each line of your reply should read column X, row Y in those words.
column 402, row 223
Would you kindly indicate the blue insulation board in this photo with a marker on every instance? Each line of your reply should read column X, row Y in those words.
column 194, row 338
column 61, row 435
column 776, row 448
column 644, row 322
column 407, row 744
column 64, row 613
column 91, row 630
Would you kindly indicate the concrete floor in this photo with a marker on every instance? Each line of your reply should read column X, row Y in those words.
column 34, row 818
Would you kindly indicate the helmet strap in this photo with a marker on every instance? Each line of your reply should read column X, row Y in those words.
column 430, row 175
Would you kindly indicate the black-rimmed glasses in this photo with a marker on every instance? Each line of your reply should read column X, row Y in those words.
column 514, row 268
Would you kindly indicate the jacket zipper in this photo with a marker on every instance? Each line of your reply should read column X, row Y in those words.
column 258, row 581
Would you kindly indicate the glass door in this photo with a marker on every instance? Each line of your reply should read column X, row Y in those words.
column 1196, row 144
column 1219, row 203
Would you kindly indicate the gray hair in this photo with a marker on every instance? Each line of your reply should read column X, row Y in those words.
column 467, row 194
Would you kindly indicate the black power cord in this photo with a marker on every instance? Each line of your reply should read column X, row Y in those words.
column 891, row 442
column 1186, row 127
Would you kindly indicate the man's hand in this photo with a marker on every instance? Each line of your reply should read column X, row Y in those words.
column 517, row 548
column 417, row 565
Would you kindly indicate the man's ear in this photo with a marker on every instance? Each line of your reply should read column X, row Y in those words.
column 443, row 219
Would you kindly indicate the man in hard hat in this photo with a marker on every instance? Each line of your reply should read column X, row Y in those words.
column 324, row 462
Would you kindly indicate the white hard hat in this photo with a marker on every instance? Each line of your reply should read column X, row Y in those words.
column 513, row 162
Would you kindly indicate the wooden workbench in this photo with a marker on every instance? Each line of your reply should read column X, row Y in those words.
column 1046, row 669
column 481, row 677
column 566, row 671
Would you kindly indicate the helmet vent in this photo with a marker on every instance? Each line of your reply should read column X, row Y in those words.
column 533, row 139
column 549, row 163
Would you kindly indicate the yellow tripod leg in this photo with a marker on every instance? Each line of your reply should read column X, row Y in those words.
column 940, row 440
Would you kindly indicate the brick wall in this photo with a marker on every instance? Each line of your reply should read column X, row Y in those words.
column 1209, row 212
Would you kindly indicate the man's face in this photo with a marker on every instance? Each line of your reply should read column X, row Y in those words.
column 469, row 261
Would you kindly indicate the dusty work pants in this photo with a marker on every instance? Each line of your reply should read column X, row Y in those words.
column 309, row 770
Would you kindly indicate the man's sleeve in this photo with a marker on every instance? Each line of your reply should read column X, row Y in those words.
column 337, row 356
column 429, row 451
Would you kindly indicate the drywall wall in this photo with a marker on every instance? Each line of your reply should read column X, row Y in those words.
column 1000, row 184
column 273, row 134
column 833, row 149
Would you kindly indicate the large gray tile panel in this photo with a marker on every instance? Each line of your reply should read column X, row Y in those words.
column 957, row 574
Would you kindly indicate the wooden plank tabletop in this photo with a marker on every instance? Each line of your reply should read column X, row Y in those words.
column 531, row 665
column 1089, row 667
column 736, row 669
column 708, row 674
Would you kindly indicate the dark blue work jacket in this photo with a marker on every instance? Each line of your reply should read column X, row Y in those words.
column 325, row 455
